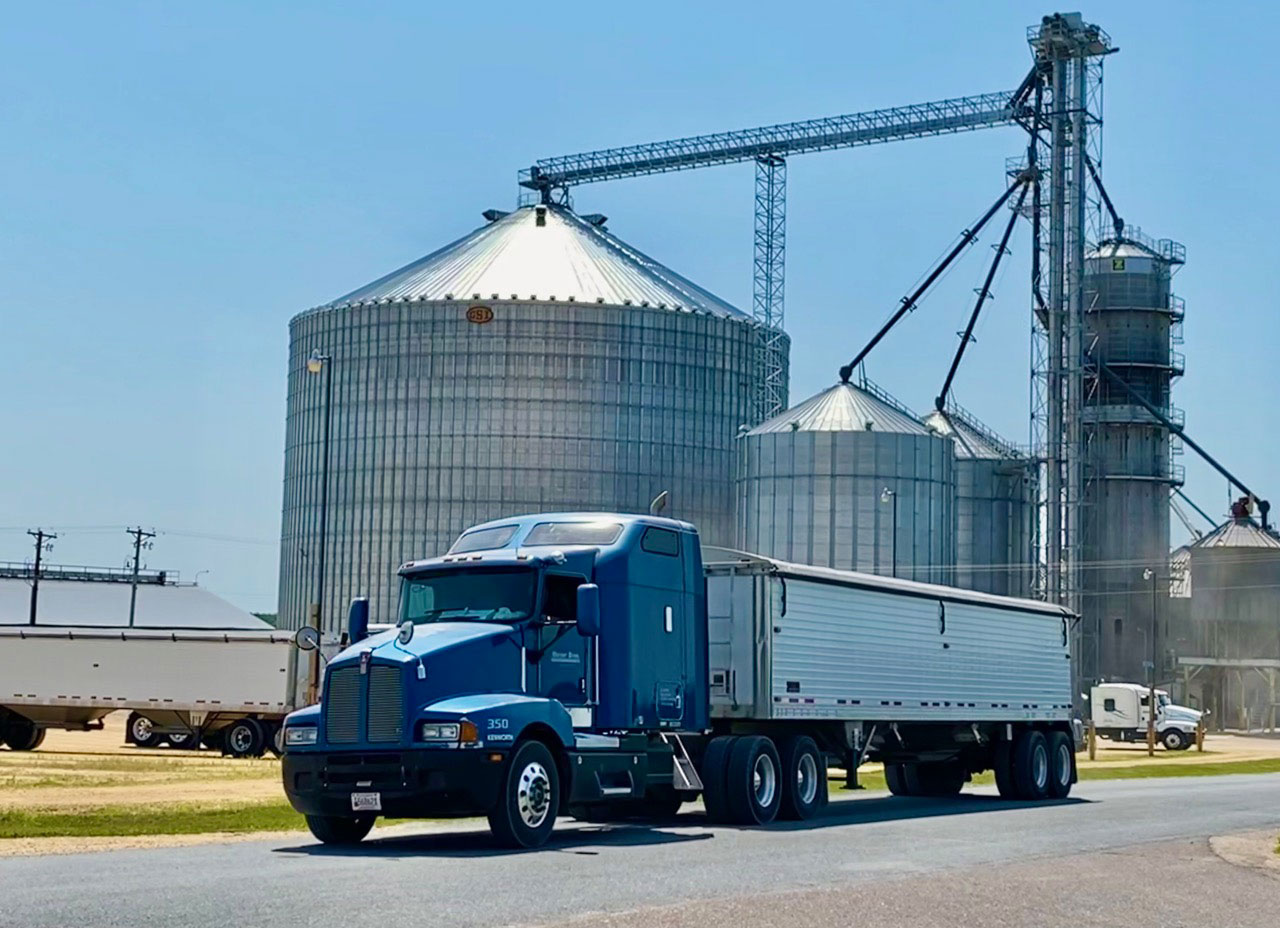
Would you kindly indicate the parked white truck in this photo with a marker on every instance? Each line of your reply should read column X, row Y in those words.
column 1120, row 712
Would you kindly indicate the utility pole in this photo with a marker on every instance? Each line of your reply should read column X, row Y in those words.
column 43, row 543
column 140, row 539
column 1151, row 689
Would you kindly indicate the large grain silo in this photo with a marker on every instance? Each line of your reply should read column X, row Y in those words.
column 849, row 479
column 995, row 507
column 538, row 363
column 1131, row 324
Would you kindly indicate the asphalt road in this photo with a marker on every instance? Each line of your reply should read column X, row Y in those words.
column 874, row 860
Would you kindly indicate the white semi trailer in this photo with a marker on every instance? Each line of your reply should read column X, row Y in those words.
column 229, row 688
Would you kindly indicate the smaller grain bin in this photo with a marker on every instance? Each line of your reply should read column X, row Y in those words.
column 995, row 505
column 849, row 479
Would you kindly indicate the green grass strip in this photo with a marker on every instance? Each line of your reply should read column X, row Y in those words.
column 122, row 821
column 1187, row 769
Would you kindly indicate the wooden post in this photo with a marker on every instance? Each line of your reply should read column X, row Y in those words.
column 1093, row 741
column 1200, row 734
column 313, row 676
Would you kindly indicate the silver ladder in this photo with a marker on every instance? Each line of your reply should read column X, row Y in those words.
column 684, row 776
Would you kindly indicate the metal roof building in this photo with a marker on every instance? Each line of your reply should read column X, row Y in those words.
column 538, row 363
column 105, row 604
column 813, row 480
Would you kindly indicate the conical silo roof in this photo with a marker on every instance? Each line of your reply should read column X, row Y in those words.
column 843, row 408
column 1238, row 533
column 542, row 254
column 971, row 440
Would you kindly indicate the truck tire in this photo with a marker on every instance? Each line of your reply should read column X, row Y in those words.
column 339, row 829
column 140, row 731
column 1031, row 765
column 183, row 741
column 937, row 779
column 895, row 777
column 753, row 789
column 1062, row 758
column 1002, row 767
column 715, row 775
column 804, row 779
column 1173, row 739
column 244, row 738
column 23, row 735
column 525, row 811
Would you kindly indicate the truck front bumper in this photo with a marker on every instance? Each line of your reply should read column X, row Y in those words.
column 411, row 783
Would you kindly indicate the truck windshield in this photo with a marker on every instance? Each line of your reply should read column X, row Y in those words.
column 471, row 595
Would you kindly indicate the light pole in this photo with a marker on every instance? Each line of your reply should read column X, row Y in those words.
column 887, row 496
column 316, row 364
column 1150, row 574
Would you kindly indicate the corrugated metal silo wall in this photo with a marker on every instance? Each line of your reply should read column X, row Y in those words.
column 1125, row 526
column 995, row 505
column 1235, row 602
column 814, row 497
column 439, row 423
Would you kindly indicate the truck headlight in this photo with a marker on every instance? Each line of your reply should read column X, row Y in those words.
column 438, row 731
column 301, row 734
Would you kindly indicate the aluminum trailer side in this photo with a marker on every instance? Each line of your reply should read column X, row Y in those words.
column 229, row 687
column 937, row 683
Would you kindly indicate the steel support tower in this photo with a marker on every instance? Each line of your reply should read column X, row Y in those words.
column 769, row 147
column 1066, row 131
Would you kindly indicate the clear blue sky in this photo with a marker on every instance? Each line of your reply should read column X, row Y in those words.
column 176, row 181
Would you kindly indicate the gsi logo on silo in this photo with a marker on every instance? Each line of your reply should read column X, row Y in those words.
column 479, row 315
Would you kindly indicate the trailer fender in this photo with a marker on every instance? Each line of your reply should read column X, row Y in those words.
column 502, row 719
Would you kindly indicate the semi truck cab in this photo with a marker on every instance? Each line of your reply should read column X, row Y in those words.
column 1120, row 712
column 545, row 663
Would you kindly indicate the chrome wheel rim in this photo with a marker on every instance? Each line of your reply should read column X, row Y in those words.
column 533, row 794
column 241, row 738
column 764, row 781
column 141, row 728
column 1064, row 765
column 1040, row 767
column 807, row 779
column 178, row 738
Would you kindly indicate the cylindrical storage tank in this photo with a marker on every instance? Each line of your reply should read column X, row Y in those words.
column 995, row 507
column 1130, row 321
column 819, row 484
column 537, row 364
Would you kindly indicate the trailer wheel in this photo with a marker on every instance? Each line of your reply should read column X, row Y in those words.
column 895, row 777
column 244, row 738
column 753, row 789
column 141, row 732
column 526, row 810
column 23, row 735
column 1062, row 757
column 1173, row 739
column 1031, row 765
column 714, row 772
column 939, row 779
column 804, row 779
column 183, row 741
column 1002, row 767
column 339, row 829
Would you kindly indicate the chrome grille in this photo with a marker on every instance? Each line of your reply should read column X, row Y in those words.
column 386, row 704
column 342, row 706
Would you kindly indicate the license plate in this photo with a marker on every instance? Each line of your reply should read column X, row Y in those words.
column 366, row 802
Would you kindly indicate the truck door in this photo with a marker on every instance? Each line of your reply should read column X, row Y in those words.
column 561, row 669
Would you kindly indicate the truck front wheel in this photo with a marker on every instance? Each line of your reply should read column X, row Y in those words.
column 527, row 807
column 1173, row 739
column 338, row 829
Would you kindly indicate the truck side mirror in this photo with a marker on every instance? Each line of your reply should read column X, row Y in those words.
column 307, row 638
column 588, row 610
column 358, row 620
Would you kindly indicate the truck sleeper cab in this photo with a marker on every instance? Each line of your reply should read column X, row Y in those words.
column 589, row 664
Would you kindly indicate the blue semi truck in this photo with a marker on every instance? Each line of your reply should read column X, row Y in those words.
column 592, row 665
